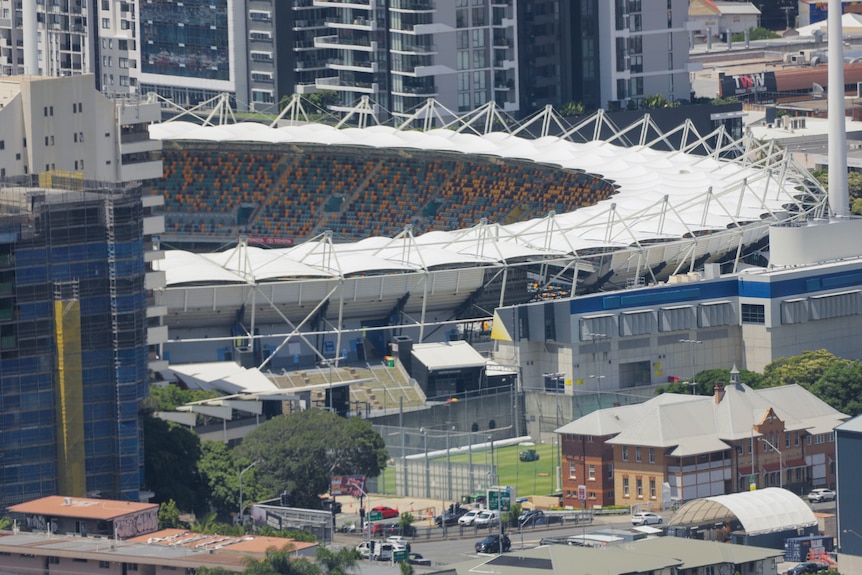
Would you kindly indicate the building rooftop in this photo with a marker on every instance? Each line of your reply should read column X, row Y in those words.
column 80, row 507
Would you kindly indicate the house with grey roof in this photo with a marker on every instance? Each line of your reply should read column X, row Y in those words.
column 676, row 448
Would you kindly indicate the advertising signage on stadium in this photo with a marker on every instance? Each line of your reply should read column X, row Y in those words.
column 742, row 84
column 347, row 485
column 269, row 241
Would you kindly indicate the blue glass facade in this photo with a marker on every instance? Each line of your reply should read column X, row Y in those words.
column 65, row 252
column 187, row 38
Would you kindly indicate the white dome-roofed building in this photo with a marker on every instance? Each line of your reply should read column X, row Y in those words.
column 764, row 518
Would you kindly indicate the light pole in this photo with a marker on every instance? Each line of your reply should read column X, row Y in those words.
column 692, row 343
column 780, row 461
column 424, row 433
column 241, row 516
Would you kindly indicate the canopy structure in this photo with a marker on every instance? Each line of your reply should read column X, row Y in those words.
column 767, row 510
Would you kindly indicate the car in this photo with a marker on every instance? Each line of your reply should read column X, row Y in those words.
column 386, row 512
column 399, row 541
column 808, row 567
column 646, row 518
column 527, row 455
column 486, row 518
column 417, row 559
column 532, row 517
column 820, row 495
column 397, row 529
column 491, row 544
column 379, row 551
column 468, row 518
column 450, row 517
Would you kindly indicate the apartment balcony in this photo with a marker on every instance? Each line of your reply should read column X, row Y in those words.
column 346, row 86
column 336, row 43
column 310, row 65
column 413, row 5
column 423, row 50
column 352, row 65
column 504, row 64
column 360, row 4
column 503, row 43
column 305, row 25
column 364, row 24
column 421, row 92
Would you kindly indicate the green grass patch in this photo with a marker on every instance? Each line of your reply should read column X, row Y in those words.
column 527, row 477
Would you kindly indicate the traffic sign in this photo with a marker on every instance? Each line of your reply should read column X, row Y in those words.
column 375, row 516
column 582, row 492
column 500, row 498
column 400, row 555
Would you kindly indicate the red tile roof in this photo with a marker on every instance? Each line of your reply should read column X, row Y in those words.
column 81, row 507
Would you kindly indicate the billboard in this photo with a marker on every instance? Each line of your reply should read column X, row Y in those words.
column 348, row 485
column 742, row 84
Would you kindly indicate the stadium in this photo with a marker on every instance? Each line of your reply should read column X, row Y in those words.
column 378, row 231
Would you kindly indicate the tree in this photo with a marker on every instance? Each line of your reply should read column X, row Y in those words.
column 279, row 562
column 804, row 369
column 171, row 464
column 169, row 397
column 338, row 562
column 299, row 453
column 405, row 522
column 169, row 515
column 220, row 473
column 407, row 568
column 651, row 102
column 572, row 109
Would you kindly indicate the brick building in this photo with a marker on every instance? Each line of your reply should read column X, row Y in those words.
column 682, row 447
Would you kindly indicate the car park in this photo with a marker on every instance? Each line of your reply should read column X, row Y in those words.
column 821, row 495
column 646, row 518
column 417, row 559
column 468, row 518
column 386, row 512
column 808, row 567
column 487, row 518
column 491, row 544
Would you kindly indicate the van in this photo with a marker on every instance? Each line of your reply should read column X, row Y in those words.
column 383, row 552
column 487, row 518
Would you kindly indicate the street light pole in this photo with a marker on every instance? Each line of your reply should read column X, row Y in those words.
column 424, row 433
column 780, row 461
column 599, row 366
column 241, row 516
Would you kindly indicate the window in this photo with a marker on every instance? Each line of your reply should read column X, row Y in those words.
column 573, row 471
column 652, row 454
column 106, row 23
column 53, row 560
column 611, row 471
column 2, row 144
column 819, row 439
column 104, row 565
column 796, row 441
column 638, row 454
column 591, row 473
column 625, row 452
column 640, row 487
column 753, row 313
column 652, row 488
column 786, row 439
column 625, row 486
column 807, row 440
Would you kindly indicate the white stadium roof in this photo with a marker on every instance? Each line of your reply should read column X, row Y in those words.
column 662, row 196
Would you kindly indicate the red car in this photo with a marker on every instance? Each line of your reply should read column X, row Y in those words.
column 386, row 512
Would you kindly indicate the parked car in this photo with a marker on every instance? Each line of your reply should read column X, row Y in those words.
column 820, row 495
column 532, row 517
column 378, row 528
column 468, row 518
column 808, row 567
column 417, row 559
column 378, row 551
column 645, row 518
column 386, row 512
column 491, row 544
column 450, row 517
column 487, row 518
column 399, row 541
column 528, row 455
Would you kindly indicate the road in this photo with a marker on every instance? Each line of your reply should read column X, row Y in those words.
column 456, row 549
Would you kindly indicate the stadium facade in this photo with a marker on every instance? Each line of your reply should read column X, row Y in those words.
column 669, row 273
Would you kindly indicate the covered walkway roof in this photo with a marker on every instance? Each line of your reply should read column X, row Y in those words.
column 767, row 510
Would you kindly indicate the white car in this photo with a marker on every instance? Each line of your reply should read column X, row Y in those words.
column 819, row 495
column 469, row 517
column 646, row 518
column 399, row 541
column 487, row 517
